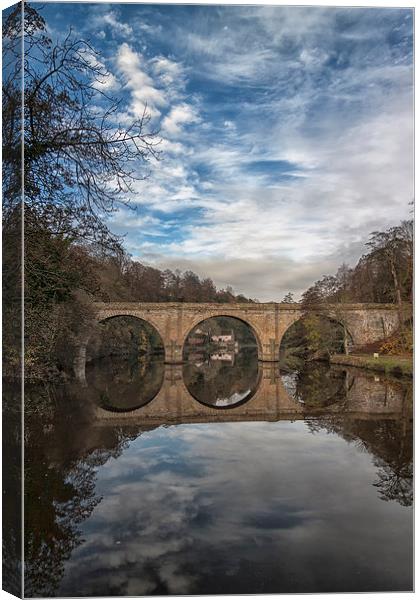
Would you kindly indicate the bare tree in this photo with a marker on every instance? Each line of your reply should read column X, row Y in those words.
column 78, row 158
column 394, row 247
column 288, row 298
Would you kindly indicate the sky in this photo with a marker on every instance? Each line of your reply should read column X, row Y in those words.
column 286, row 133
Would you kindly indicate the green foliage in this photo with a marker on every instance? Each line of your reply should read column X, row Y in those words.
column 314, row 330
column 323, row 290
column 313, row 334
column 391, row 365
column 52, row 336
column 126, row 337
column 54, row 265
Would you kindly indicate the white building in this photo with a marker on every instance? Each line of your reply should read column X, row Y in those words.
column 222, row 339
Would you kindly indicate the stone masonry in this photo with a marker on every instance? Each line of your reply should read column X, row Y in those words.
column 364, row 323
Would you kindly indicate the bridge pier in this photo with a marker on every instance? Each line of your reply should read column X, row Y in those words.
column 79, row 364
column 268, row 360
column 269, row 352
column 174, row 353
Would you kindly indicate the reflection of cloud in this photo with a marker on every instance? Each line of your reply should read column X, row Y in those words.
column 289, row 381
column 232, row 494
column 232, row 399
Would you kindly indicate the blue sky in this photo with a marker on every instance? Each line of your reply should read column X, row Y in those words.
column 286, row 133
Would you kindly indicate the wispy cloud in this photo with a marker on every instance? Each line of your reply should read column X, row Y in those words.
column 110, row 19
column 287, row 135
column 144, row 94
column 179, row 115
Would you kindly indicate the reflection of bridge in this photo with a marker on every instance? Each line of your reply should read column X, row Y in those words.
column 365, row 397
column 173, row 321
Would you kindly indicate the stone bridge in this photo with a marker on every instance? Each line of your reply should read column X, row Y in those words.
column 174, row 321
column 364, row 323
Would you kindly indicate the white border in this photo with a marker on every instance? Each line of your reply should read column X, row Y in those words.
column 383, row 4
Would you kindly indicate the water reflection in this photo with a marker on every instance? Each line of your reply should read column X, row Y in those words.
column 220, row 381
column 282, row 493
column 12, row 486
column 316, row 384
column 221, row 368
column 122, row 385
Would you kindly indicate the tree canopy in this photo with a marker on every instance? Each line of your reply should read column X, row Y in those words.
column 384, row 274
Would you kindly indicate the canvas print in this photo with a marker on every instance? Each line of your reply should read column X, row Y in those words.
column 207, row 299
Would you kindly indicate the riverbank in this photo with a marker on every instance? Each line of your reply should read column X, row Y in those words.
column 393, row 365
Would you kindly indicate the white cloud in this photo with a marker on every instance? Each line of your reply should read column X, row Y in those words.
column 170, row 71
column 110, row 18
column 263, row 239
column 170, row 147
column 108, row 81
column 346, row 132
column 182, row 114
column 143, row 91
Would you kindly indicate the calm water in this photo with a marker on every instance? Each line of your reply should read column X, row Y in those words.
column 218, row 477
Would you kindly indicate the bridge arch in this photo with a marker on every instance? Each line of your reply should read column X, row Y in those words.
column 79, row 363
column 224, row 313
column 101, row 318
column 328, row 316
column 126, row 384
column 125, row 387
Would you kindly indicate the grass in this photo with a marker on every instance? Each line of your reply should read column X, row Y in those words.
column 393, row 365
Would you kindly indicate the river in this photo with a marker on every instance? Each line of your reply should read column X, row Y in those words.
column 218, row 476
